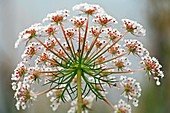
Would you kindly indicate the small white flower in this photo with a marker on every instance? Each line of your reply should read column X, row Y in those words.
column 135, row 102
column 54, row 105
column 14, row 85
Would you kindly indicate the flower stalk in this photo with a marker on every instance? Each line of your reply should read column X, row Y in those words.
column 79, row 91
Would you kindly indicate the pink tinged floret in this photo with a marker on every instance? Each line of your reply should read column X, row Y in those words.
column 50, row 30
column 51, row 43
column 105, row 20
column 122, row 63
column 70, row 33
column 43, row 57
column 95, row 31
column 31, row 50
column 116, row 50
column 113, row 34
column 78, row 22
column 98, row 44
column 24, row 96
column 57, row 18
column 100, row 59
column 33, row 75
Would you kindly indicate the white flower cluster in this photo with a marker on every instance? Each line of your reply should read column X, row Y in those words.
column 121, row 64
column 31, row 50
column 105, row 20
column 23, row 95
column 132, row 89
column 29, row 33
column 19, row 72
column 57, row 17
column 135, row 47
column 78, row 21
column 113, row 34
column 134, row 27
column 152, row 68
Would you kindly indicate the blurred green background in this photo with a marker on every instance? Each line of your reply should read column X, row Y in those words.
column 154, row 15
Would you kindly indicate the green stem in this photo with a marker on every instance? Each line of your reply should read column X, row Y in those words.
column 79, row 93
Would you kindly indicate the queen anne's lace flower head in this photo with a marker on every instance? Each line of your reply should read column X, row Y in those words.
column 79, row 58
